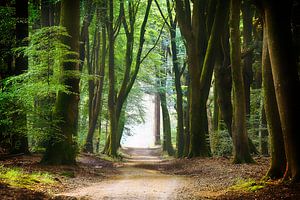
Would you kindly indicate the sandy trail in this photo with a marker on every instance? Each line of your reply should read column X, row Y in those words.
column 135, row 182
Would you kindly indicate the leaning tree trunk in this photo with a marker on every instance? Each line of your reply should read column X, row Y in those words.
column 61, row 148
column 286, row 80
column 239, row 131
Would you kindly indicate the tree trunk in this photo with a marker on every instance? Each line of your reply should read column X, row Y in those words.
column 286, row 80
column 278, row 161
column 179, row 95
column 239, row 131
column 113, row 125
column 62, row 147
column 247, row 15
column 167, row 139
column 186, row 118
column 157, row 119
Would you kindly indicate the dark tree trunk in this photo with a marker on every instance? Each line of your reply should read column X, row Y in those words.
column 286, row 80
column 47, row 13
column 247, row 15
column 199, row 49
column 239, row 131
column 167, row 140
column 278, row 161
column 62, row 147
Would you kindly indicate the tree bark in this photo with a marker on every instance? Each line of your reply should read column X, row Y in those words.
column 278, row 161
column 239, row 131
column 62, row 146
column 247, row 15
column 286, row 80
column 157, row 119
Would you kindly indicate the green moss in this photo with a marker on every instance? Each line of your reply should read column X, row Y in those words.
column 248, row 185
column 18, row 178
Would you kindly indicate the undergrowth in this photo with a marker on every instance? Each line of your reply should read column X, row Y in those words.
column 16, row 177
column 249, row 185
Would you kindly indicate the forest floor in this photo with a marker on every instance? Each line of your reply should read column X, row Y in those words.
column 145, row 174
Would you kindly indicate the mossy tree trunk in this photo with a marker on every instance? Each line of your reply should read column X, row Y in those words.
column 286, row 81
column 239, row 131
column 278, row 161
column 61, row 148
column 201, row 62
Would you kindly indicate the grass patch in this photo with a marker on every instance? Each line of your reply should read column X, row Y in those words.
column 16, row 177
column 248, row 185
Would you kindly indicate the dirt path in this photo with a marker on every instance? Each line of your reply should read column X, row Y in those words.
column 136, row 182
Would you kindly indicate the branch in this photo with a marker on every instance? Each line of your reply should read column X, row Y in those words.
column 161, row 13
column 155, row 44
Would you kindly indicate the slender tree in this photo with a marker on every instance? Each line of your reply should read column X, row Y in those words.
column 239, row 131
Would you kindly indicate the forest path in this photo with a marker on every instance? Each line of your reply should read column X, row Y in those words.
column 136, row 180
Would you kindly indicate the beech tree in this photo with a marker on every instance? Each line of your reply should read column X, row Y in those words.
column 61, row 149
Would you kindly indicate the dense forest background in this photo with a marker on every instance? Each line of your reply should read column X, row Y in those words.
column 225, row 75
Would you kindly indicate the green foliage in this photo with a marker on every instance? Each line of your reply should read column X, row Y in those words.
column 34, row 91
column 249, row 185
column 16, row 177
column 221, row 143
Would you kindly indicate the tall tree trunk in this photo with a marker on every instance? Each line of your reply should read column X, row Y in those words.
column 167, row 139
column 201, row 70
column 247, row 15
column 186, row 117
column 278, row 161
column 157, row 119
column 96, row 87
column 113, row 125
column 286, row 80
column 62, row 146
column 178, row 74
column 47, row 13
column 239, row 131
